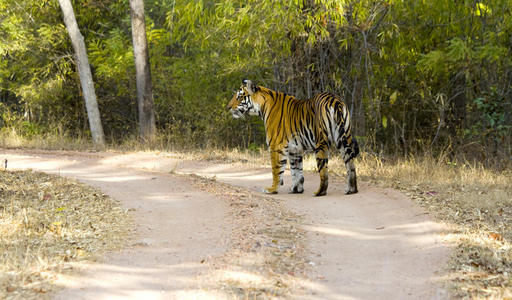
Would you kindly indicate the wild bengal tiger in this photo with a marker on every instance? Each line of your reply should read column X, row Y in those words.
column 294, row 126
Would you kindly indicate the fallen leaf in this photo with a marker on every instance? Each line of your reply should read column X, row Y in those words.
column 496, row 236
column 40, row 290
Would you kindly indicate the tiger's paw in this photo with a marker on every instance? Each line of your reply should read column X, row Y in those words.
column 320, row 192
column 296, row 190
column 270, row 190
column 349, row 191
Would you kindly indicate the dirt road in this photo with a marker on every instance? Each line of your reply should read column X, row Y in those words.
column 372, row 245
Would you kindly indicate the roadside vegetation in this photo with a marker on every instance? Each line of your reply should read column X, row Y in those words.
column 47, row 223
column 417, row 75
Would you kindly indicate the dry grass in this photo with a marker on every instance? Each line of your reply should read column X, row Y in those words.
column 46, row 222
column 10, row 138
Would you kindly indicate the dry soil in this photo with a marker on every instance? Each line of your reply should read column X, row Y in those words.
column 376, row 244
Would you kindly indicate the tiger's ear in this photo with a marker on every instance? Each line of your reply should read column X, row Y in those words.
column 249, row 86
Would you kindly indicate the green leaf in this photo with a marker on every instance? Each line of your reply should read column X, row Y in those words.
column 392, row 98
column 458, row 50
column 384, row 122
column 482, row 9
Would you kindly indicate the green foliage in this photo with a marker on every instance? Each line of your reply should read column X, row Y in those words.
column 492, row 125
column 112, row 56
column 413, row 73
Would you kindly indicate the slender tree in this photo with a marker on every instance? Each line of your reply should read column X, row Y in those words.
column 84, row 71
column 147, row 126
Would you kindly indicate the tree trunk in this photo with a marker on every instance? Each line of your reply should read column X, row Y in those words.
column 147, row 126
column 84, row 70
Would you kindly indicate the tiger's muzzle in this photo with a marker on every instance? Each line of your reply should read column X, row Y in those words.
column 237, row 114
column 236, row 106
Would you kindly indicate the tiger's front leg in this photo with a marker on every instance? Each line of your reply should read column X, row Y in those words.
column 278, row 165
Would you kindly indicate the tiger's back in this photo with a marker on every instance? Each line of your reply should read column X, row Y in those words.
column 321, row 121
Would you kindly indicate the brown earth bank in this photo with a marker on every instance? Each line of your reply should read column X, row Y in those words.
column 204, row 230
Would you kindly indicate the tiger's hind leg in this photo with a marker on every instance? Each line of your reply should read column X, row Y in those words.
column 297, row 173
column 349, row 152
column 321, row 164
column 351, row 178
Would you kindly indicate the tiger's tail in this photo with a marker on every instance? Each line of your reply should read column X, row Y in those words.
column 355, row 147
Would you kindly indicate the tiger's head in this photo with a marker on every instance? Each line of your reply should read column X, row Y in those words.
column 242, row 102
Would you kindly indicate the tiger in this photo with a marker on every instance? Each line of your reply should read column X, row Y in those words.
column 294, row 127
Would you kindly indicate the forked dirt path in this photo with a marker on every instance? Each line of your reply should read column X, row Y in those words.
column 372, row 245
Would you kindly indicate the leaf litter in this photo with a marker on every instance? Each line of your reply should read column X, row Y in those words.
column 46, row 223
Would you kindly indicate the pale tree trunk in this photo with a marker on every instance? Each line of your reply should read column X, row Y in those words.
column 147, row 126
column 84, row 71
